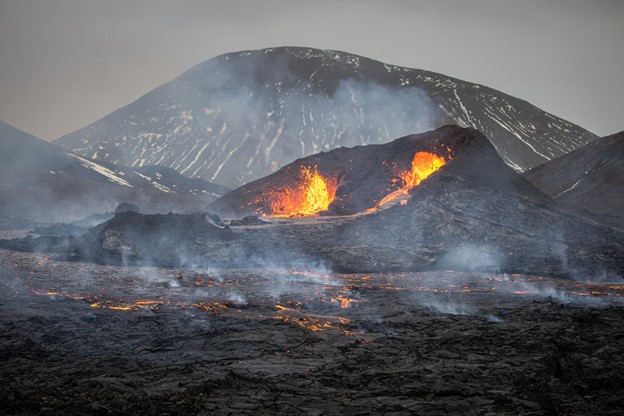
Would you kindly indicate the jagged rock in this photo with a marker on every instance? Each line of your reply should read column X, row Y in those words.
column 364, row 175
column 391, row 353
column 248, row 220
column 163, row 239
column 126, row 207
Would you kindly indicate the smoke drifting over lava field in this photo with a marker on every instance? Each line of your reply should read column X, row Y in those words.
column 81, row 338
column 390, row 246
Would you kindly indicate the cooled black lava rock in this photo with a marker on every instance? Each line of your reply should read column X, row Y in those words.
column 159, row 239
column 126, row 207
column 402, row 350
column 74, row 228
column 60, row 229
column 477, row 214
column 214, row 219
column 248, row 220
column 474, row 214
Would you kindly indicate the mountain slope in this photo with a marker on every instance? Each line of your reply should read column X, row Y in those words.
column 241, row 116
column 39, row 178
column 590, row 177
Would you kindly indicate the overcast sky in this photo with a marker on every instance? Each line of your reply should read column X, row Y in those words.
column 67, row 63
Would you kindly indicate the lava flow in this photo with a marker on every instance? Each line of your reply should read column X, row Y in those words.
column 423, row 165
column 312, row 194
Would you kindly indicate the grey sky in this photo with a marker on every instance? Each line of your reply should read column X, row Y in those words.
column 67, row 63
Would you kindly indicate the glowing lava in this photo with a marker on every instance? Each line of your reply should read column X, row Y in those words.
column 311, row 195
column 423, row 165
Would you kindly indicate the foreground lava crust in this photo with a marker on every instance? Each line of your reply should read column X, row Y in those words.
column 80, row 338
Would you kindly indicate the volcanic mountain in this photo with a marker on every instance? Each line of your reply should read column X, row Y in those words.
column 467, row 211
column 348, row 181
column 241, row 116
column 40, row 179
column 590, row 177
column 475, row 213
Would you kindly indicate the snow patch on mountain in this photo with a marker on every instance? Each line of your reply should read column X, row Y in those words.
column 109, row 174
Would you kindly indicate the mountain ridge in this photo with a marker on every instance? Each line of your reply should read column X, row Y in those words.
column 40, row 178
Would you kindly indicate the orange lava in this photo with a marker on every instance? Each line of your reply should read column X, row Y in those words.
column 423, row 165
column 344, row 301
column 312, row 322
column 312, row 194
column 133, row 306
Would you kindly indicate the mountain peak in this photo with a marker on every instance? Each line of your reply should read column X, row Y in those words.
column 241, row 116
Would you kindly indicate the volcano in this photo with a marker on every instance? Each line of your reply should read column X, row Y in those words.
column 591, row 177
column 40, row 179
column 353, row 180
column 473, row 213
column 458, row 206
column 241, row 116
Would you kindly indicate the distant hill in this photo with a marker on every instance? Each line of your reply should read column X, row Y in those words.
column 590, row 177
column 40, row 179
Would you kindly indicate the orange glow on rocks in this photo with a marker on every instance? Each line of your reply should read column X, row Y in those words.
column 310, row 194
column 423, row 165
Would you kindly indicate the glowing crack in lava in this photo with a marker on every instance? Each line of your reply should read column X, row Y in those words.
column 423, row 165
column 312, row 194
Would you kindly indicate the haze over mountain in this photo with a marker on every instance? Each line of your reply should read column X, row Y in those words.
column 241, row 116
column 590, row 177
column 40, row 179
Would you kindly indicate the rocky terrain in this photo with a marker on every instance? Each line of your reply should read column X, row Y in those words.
column 591, row 177
column 241, row 116
column 131, row 236
column 85, row 339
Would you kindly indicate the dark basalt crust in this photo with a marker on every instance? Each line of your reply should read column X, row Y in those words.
column 60, row 356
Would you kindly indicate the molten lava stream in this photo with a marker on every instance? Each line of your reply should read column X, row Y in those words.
column 311, row 195
column 423, row 165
